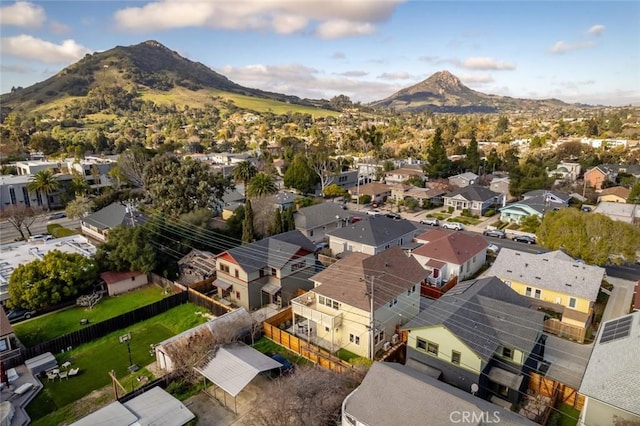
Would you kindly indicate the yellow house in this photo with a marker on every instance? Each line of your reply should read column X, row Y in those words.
column 461, row 340
column 616, row 194
column 552, row 280
column 339, row 311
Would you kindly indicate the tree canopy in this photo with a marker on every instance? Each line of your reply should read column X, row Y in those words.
column 594, row 238
column 438, row 165
column 261, row 185
column 57, row 277
column 45, row 182
column 299, row 175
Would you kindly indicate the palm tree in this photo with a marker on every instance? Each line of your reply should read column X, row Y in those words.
column 261, row 185
column 45, row 182
column 244, row 172
column 79, row 185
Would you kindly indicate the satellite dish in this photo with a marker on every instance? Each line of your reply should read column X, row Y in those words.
column 474, row 389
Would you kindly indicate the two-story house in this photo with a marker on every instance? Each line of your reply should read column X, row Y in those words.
column 474, row 198
column 403, row 174
column 358, row 302
column 315, row 221
column 596, row 176
column 97, row 224
column 481, row 337
column 552, row 280
column 271, row 270
column 448, row 254
column 344, row 179
column 9, row 346
column 463, row 179
column 371, row 235
column 566, row 171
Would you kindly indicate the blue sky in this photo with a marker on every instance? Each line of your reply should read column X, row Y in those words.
column 574, row 51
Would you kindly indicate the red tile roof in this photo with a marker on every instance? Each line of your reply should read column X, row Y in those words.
column 115, row 277
column 450, row 246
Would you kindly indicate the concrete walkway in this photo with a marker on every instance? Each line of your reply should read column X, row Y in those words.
column 620, row 300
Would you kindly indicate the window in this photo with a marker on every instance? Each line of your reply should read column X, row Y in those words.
column 507, row 352
column 326, row 329
column 455, row 357
column 273, row 271
column 12, row 194
column 237, row 295
column 321, row 300
column 25, row 196
column 311, row 232
column 354, row 339
column 237, row 273
column 537, row 294
column 572, row 302
column 528, row 292
column 432, row 348
column 224, row 268
column 379, row 336
column 393, row 302
column 421, row 344
column 474, row 259
column 299, row 265
column 261, row 273
column 342, row 179
column 3, row 345
column 335, row 305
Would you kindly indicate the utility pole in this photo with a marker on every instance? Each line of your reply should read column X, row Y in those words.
column 373, row 323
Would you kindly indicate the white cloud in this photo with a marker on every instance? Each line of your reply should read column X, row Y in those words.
column 26, row 46
column 354, row 73
column 475, row 79
column 596, row 30
column 22, row 14
column 59, row 28
column 486, row 63
column 399, row 75
column 562, row 47
column 326, row 19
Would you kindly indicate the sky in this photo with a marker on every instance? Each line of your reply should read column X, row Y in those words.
column 575, row 51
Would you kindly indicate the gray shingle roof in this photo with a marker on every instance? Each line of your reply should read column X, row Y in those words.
column 394, row 394
column 543, row 192
column 474, row 193
column 272, row 252
column 540, row 204
column 549, row 271
column 113, row 215
column 613, row 371
column 319, row 215
column 484, row 314
column 375, row 230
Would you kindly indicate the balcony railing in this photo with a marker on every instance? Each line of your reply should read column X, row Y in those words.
column 306, row 306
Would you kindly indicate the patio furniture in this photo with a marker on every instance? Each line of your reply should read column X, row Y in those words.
column 23, row 389
column 73, row 371
column 51, row 376
column 66, row 365
column 63, row 375
column 12, row 375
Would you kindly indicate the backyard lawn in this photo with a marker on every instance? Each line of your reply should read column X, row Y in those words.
column 97, row 358
column 55, row 324
column 568, row 415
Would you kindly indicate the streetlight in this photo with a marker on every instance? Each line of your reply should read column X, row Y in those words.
column 125, row 338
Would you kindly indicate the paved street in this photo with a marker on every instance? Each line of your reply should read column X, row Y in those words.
column 8, row 233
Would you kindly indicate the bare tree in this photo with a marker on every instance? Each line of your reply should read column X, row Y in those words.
column 32, row 215
column 19, row 216
column 311, row 396
column 131, row 166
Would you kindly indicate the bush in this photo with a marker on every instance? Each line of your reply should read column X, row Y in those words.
column 489, row 213
column 450, row 209
column 365, row 199
column 57, row 231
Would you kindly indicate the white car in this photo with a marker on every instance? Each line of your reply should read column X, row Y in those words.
column 34, row 238
column 374, row 212
column 453, row 225
column 493, row 248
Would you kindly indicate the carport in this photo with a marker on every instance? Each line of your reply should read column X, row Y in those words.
column 232, row 367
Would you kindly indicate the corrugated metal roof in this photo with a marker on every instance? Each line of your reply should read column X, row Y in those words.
column 158, row 408
column 114, row 414
column 234, row 366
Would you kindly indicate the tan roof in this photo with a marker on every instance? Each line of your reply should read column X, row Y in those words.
column 574, row 315
column 619, row 191
column 5, row 326
column 450, row 246
column 394, row 273
column 372, row 188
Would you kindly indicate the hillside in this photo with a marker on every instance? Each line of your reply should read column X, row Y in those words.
column 148, row 66
column 444, row 92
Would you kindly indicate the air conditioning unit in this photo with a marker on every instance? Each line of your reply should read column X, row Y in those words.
column 394, row 339
column 386, row 346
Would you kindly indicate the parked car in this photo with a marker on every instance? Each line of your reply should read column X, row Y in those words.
column 431, row 221
column 59, row 215
column 453, row 225
column 19, row 314
column 496, row 233
column 394, row 216
column 524, row 239
column 493, row 248
column 374, row 212
column 287, row 366
column 40, row 238
column 586, row 209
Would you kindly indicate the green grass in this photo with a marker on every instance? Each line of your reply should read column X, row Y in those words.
column 47, row 327
column 58, row 231
column 345, row 355
column 267, row 346
column 568, row 415
column 97, row 358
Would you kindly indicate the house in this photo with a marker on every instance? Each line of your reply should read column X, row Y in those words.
column 629, row 213
column 271, row 270
column 481, row 337
column 534, row 203
column 344, row 179
column 153, row 407
column 553, row 281
column 610, row 383
column 463, row 179
column 616, row 194
column 28, row 168
column 596, row 176
column 432, row 196
column 9, row 345
column 379, row 192
column 371, row 235
column 230, row 326
column 403, row 174
column 282, row 200
column 566, row 171
column 448, row 254
column 474, row 198
column 315, row 221
column 122, row 282
column 98, row 224
column 501, row 186
column 14, row 191
column 197, row 265
column 231, row 200
column 395, row 394
column 356, row 292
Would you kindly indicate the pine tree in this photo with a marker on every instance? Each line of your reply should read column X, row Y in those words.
column 473, row 156
column 439, row 165
column 277, row 225
column 247, row 224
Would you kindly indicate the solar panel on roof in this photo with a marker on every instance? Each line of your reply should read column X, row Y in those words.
column 616, row 329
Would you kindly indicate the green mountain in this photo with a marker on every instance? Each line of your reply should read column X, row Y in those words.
column 148, row 67
column 444, row 92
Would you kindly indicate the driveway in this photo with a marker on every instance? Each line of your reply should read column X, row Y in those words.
column 620, row 300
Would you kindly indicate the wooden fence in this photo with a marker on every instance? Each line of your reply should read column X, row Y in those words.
column 555, row 326
column 217, row 308
column 313, row 353
column 433, row 292
column 558, row 392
